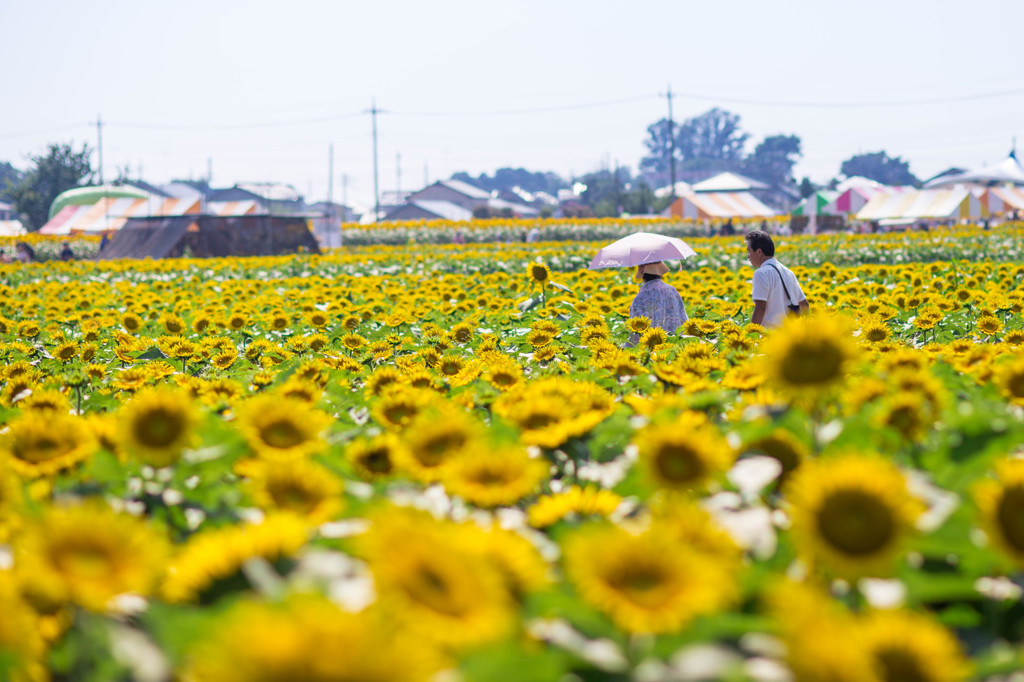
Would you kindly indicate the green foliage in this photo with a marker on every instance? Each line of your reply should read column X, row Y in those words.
column 61, row 168
column 879, row 166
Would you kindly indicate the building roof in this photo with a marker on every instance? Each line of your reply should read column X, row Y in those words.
column 518, row 209
column 444, row 210
column 271, row 191
column 728, row 182
column 464, row 188
column 666, row 191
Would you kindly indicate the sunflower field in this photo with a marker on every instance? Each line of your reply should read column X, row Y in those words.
column 441, row 462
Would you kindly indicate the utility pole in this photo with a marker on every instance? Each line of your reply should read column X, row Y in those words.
column 426, row 174
column 209, row 170
column 373, row 111
column 398, row 173
column 99, row 140
column 671, row 144
column 344, row 198
column 330, row 192
column 618, row 195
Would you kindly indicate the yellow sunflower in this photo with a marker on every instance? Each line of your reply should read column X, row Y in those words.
column 576, row 501
column 42, row 444
column 209, row 564
column 822, row 639
column 1001, row 505
column 809, row 355
column 490, row 477
column 912, row 646
column 1009, row 377
column 539, row 273
column 375, row 458
column 89, row 554
column 435, row 585
column 157, row 425
column 279, row 428
column 638, row 325
column 851, row 514
column 782, row 446
column 259, row 642
column 434, row 441
column 303, row 488
column 645, row 583
column 684, row 454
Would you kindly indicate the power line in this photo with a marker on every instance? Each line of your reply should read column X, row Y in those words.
column 43, row 131
column 541, row 110
column 852, row 105
column 231, row 126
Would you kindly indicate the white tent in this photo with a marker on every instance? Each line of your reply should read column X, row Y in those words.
column 955, row 202
column 11, row 228
column 1008, row 171
column 729, row 182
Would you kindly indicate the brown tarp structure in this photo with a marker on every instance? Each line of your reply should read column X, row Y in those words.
column 207, row 236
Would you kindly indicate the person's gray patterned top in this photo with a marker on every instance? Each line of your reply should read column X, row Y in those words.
column 659, row 302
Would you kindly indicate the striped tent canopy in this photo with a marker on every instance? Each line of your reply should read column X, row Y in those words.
column 718, row 205
column 955, row 202
column 111, row 213
column 853, row 199
column 1003, row 200
column 232, row 208
column 816, row 203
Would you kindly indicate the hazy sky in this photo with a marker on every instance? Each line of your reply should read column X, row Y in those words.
column 260, row 88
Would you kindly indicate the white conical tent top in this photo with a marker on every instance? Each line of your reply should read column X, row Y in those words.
column 1007, row 171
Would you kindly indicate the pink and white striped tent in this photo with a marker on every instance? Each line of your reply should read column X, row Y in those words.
column 718, row 205
column 1002, row 200
column 111, row 213
column 853, row 199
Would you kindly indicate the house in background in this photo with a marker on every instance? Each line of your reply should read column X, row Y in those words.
column 269, row 197
column 453, row 191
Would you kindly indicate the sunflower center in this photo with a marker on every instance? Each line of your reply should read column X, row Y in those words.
column 855, row 522
column 538, row 420
column 642, row 584
column 877, row 334
column 900, row 666
column 377, row 461
column 159, row 428
column 1015, row 385
column 431, row 589
column 85, row 562
column 812, row 362
column 282, row 433
column 41, row 449
column 490, row 477
column 1010, row 514
column 678, row 463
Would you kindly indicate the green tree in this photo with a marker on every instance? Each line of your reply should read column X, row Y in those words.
column 715, row 135
column 806, row 188
column 712, row 141
column 880, row 167
column 9, row 175
column 773, row 160
column 60, row 169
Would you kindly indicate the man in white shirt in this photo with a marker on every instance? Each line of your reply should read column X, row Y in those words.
column 776, row 291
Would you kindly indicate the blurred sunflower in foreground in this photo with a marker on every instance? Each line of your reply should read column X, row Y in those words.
column 851, row 514
column 809, row 356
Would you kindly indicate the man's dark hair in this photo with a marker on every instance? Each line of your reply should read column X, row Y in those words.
column 756, row 239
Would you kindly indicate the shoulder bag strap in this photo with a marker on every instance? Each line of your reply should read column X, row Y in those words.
column 783, row 280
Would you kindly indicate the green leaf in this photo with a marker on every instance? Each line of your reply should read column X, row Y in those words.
column 153, row 353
